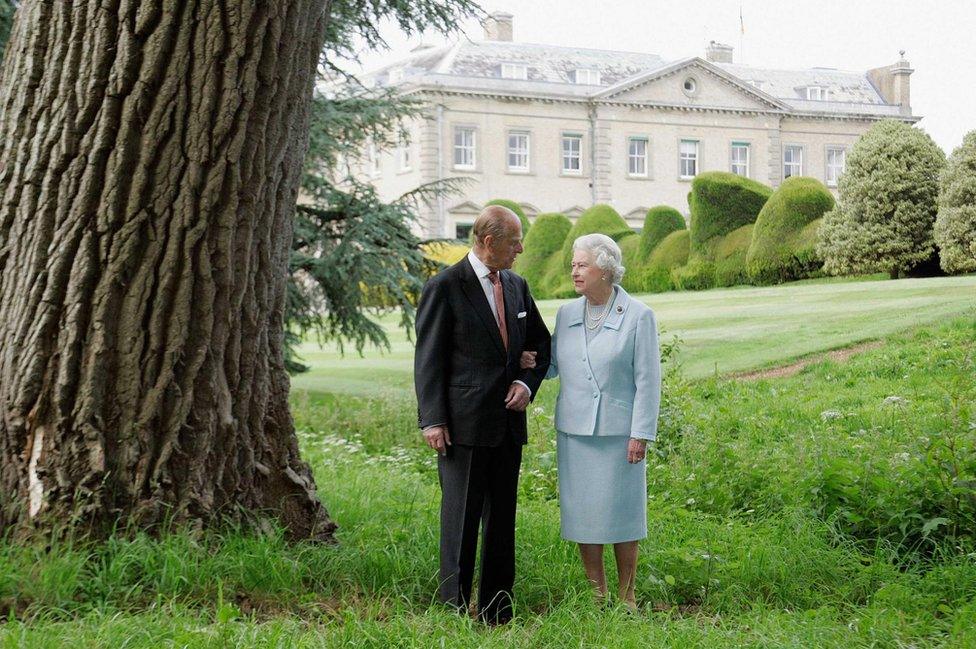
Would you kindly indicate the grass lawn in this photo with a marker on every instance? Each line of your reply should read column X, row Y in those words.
column 833, row 508
column 722, row 330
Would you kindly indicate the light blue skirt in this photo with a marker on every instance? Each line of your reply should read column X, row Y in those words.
column 602, row 498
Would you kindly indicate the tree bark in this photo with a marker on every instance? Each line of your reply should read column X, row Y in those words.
column 150, row 155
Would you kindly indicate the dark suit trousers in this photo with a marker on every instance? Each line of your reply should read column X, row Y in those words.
column 479, row 485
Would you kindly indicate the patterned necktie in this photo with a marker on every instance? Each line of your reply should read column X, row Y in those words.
column 496, row 287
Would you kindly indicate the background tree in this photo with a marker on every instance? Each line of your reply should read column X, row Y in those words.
column 955, row 226
column 145, row 229
column 883, row 220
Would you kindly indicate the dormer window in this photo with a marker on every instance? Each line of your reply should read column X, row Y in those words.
column 514, row 71
column 817, row 93
column 587, row 77
column 757, row 84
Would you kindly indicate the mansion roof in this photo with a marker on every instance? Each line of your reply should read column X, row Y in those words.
column 475, row 67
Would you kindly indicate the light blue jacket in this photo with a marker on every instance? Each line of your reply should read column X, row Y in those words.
column 614, row 386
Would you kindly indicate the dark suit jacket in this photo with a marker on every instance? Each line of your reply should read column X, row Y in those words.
column 461, row 370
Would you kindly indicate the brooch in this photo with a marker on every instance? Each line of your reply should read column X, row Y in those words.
column 620, row 309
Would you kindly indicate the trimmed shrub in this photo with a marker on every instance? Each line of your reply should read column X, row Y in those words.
column 697, row 275
column 955, row 226
column 515, row 207
column 545, row 240
column 672, row 251
column 630, row 250
column 887, row 206
column 721, row 202
column 730, row 257
column 599, row 218
column 659, row 223
column 779, row 251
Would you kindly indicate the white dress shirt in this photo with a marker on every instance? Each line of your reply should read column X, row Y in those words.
column 482, row 272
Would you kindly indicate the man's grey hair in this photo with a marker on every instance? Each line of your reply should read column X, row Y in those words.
column 606, row 254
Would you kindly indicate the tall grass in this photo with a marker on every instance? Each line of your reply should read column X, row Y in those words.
column 792, row 512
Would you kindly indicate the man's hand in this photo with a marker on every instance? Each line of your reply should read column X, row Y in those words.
column 636, row 450
column 527, row 362
column 517, row 398
column 438, row 439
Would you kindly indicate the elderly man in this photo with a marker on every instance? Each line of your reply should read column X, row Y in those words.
column 474, row 320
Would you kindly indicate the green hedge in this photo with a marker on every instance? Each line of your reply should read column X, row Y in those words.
column 783, row 247
column 671, row 253
column 630, row 251
column 721, row 202
column 544, row 241
column 730, row 257
column 599, row 218
column 660, row 221
column 697, row 275
column 515, row 207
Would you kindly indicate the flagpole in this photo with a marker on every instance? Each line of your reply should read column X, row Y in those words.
column 742, row 31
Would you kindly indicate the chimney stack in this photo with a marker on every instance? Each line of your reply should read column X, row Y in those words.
column 718, row 53
column 498, row 27
column 893, row 82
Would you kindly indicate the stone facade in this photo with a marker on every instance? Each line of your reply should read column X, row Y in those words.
column 630, row 112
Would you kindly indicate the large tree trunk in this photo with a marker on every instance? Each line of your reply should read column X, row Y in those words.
column 150, row 155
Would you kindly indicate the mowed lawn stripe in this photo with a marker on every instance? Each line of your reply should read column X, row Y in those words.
column 722, row 330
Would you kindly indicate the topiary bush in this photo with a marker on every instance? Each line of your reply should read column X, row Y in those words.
column 630, row 250
column 721, row 202
column 696, row 275
column 659, row 223
column 515, row 207
column 887, row 208
column 955, row 225
column 599, row 218
column 782, row 249
column 654, row 275
column 543, row 241
column 730, row 257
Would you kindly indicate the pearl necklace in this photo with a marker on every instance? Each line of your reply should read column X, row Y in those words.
column 599, row 318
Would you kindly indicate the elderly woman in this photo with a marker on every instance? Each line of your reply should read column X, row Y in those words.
column 605, row 352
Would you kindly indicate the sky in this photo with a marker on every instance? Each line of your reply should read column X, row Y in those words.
column 938, row 36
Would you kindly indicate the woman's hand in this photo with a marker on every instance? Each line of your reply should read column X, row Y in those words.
column 636, row 450
column 527, row 362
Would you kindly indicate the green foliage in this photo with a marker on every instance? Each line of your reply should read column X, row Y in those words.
column 781, row 249
column 542, row 243
column 519, row 212
column 955, row 225
column 806, row 511
column 884, row 219
column 629, row 251
column 672, row 251
column 730, row 257
column 696, row 275
column 599, row 218
column 721, row 202
column 659, row 223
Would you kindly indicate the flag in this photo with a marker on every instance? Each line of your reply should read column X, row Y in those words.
column 742, row 25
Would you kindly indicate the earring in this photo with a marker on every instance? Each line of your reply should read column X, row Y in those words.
column 604, row 278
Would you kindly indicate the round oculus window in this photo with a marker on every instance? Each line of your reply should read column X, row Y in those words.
column 690, row 86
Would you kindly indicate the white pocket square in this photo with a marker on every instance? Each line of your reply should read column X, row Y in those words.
column 521, row 314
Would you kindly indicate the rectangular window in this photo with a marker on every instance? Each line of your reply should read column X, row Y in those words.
column 836, row 162
column 818, row 93
column 688, row 158
column 518, row 151
column 572, row 157
column 792, row 160
column 462, row 231
column 739, row 163
column 637, row 156
column 587, row 76
column 514, row 71
column 464, row 147
column 403, row 155
column 372, row 159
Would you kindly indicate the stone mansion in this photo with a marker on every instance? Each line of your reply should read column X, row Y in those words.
column 558, row 129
